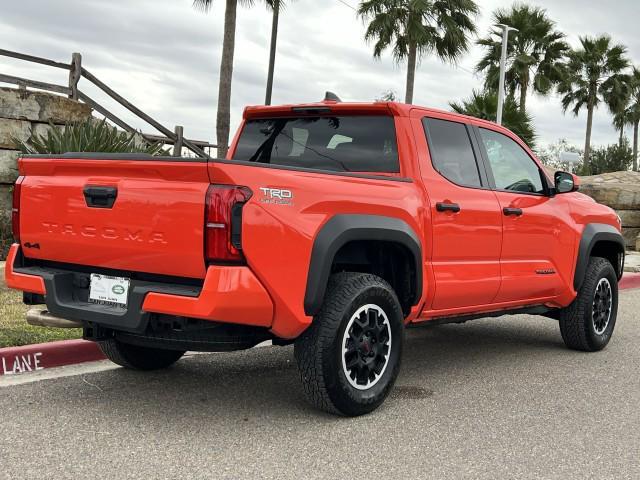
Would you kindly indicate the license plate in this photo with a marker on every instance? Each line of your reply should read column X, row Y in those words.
column 108, row 290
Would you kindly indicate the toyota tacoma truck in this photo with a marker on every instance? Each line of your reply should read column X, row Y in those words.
column 331, row 226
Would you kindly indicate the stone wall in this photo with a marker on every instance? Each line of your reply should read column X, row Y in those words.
column 620, row 191
column 22, row 114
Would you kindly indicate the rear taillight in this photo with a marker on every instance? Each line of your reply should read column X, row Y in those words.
column 15, row 210
column 223, row 223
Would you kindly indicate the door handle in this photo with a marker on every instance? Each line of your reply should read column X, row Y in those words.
column 512, row 211
column 447, row 207
column 100, row 197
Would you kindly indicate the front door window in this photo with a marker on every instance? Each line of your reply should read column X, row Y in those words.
column 513, row 169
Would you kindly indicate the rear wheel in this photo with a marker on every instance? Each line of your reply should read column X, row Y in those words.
column 587, row 324
column 138, row 358
column 349, row 357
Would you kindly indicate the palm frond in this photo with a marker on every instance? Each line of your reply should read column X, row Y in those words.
column 442, row 27
column 484, row 105
column 534, row 53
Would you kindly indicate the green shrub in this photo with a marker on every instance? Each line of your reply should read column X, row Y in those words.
column 87, row 136
column 613, row 158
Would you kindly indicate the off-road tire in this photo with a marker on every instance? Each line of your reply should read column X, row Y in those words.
column 319, row 349
column 577, row 320
column 138, row 358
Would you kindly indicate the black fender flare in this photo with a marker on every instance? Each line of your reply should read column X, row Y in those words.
column 592, row 234
column 344, row 228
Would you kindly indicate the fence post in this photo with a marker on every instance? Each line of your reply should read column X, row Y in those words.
column 177, row 146
column 75, row 73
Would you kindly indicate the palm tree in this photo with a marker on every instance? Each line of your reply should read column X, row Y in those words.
column 226, row 67
column 275, row 6
column 621, row 120
column 618, row 100
column 223, row 119
column 633, row 112
column 534, row 53
column 591, row 74
column 484, row 105
column 413, row 28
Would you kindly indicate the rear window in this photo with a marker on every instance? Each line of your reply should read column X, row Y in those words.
column 343, row 144
column 451, row 152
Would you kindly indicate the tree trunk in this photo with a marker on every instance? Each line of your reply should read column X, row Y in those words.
column 621, row 139
column 635, row 145
column 411, row 72
column 272, row 52
column 226, row 73
column 587, row 142
column 524, row 88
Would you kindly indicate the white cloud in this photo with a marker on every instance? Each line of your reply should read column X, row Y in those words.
column 164, row 56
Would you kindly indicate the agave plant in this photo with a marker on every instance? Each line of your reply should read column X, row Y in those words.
column 87, row 136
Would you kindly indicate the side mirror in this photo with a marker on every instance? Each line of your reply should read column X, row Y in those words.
column 566, row 182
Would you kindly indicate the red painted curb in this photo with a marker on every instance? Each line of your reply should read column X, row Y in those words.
column 629, row 280
column 29, row 358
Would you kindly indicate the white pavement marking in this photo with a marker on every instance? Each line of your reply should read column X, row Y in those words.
column 57, row 372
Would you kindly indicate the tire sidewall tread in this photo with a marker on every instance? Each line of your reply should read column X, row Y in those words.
column 316, row 349
column 576, row 322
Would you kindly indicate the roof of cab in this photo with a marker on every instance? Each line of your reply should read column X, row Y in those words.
column 346, row 108
column 370, row 108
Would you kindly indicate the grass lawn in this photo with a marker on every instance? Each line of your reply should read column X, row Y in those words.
column 14, row 329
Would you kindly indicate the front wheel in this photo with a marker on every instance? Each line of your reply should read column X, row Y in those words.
column 349, row 357
column 587, row 324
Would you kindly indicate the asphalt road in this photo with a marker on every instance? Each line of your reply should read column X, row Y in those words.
column 499, row 398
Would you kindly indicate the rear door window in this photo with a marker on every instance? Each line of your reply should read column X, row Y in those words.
column 341, row 143
column 451, row 152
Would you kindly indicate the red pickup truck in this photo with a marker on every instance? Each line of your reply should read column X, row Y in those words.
column 331, row 226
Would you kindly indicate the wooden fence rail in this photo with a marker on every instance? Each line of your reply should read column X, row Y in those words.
column 173, row 137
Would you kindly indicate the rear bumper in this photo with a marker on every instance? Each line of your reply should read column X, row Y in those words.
column 228, row 295
column 21, row 281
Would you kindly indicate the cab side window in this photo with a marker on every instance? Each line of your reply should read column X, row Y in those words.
column 513, row 169
column 451, row 152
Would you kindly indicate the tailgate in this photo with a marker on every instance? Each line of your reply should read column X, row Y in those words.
column 124, row 212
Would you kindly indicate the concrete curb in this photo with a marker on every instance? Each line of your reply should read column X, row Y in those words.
column 31, row 358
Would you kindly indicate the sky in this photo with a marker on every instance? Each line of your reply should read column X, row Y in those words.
column 164, row 57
